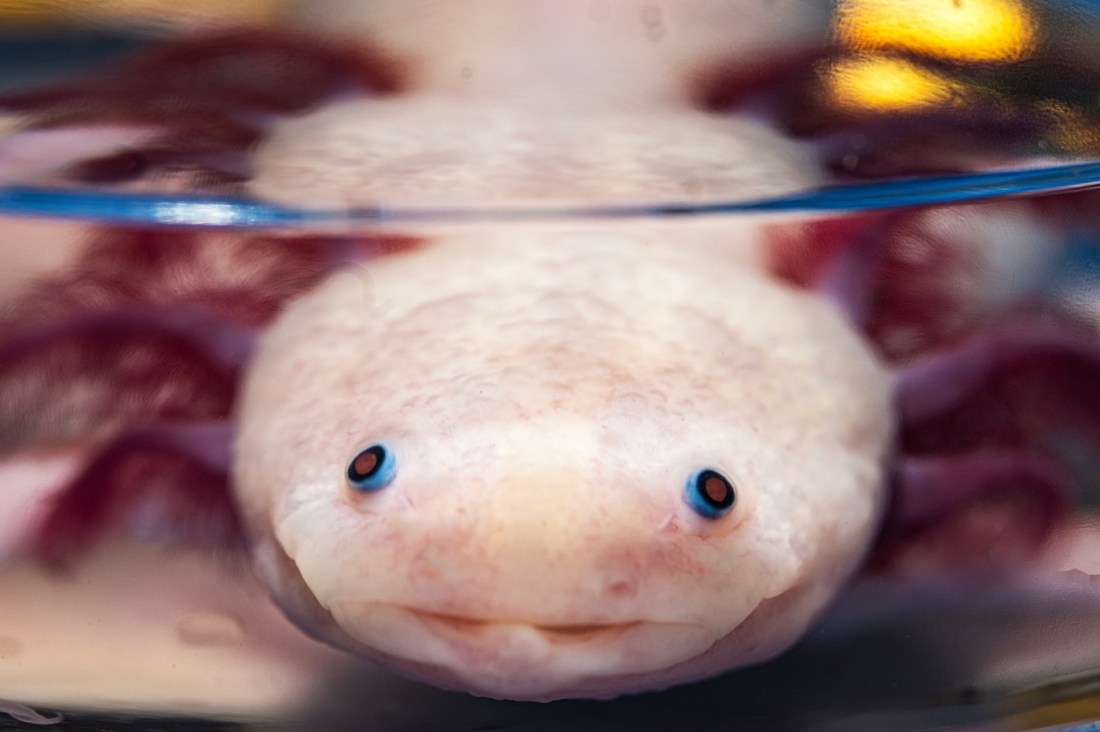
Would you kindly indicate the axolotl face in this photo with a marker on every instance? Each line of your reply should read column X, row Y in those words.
column 536, row 464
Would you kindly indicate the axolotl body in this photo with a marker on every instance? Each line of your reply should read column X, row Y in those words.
column 529, row 463
column 528, row 460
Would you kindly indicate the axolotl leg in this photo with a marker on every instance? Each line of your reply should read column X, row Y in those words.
column 81, row 386
column 993, row 431
column 164, row 482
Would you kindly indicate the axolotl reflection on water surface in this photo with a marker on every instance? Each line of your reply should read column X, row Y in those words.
column 542, row 460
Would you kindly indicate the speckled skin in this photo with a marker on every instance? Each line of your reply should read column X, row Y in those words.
column 470, row 152
column 547, row 393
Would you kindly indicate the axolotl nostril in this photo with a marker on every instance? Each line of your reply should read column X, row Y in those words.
column 603, row 463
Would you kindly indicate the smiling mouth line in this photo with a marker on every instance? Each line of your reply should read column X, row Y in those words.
column 575, row 633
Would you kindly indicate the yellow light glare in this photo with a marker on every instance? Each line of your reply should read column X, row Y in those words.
column 958, row 30
column 883, row 84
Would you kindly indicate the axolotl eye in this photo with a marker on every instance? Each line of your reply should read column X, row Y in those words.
column 372, row 469
column 709, row 493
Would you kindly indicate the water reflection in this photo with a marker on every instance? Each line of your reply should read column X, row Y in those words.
column 976, row 92
column 987, row 30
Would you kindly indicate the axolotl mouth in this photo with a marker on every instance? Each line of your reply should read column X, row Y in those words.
column 531, row 658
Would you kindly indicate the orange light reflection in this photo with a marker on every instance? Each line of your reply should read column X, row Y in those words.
column 957, row 30
column 885, row 84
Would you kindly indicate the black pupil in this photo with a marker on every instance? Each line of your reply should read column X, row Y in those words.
column 714, row 489
column 366, row 463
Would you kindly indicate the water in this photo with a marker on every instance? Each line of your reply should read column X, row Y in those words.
column 141, row 636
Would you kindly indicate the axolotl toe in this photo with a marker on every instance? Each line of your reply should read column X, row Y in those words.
column 488, row 464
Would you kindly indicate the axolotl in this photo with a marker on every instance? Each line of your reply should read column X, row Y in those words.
column 531, row 461
column 589, row 463
column 595, row 463
column 526, row 464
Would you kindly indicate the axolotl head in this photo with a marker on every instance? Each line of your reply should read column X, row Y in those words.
column 547, row 464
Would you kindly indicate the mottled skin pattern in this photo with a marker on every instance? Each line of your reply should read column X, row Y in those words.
column 536, row 543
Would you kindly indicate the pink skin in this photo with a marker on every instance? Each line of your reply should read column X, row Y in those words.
column 944, row 475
